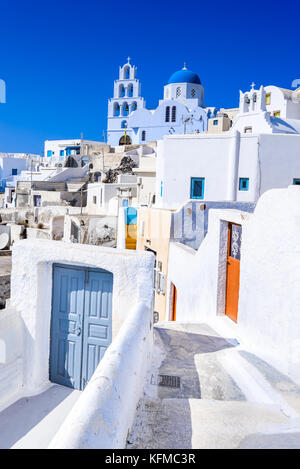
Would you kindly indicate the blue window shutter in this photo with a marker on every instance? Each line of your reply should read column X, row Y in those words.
column 197, row 188
column 49, row 153
column 244, row 184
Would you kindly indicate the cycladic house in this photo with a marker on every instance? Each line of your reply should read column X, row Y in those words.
column 244, row 278
column 68, row 303
column 260, row 152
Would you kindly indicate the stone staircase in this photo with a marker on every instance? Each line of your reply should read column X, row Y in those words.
column 228, row 397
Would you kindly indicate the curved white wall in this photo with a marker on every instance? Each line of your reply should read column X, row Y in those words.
column 104, row 413
column 31, row 293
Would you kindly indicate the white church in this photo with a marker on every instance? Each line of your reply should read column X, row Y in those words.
column 261, row 151
column 181, row 111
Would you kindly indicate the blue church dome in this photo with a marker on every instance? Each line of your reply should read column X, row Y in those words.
column 184, row 76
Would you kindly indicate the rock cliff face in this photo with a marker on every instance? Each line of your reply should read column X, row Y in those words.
column 126, row 166
column 4, row 289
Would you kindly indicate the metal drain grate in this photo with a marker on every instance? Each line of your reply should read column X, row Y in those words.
column 166, row 380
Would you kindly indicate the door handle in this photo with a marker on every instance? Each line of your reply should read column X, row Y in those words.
column 77, row 331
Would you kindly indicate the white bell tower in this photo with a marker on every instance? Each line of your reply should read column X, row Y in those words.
column 126, row 99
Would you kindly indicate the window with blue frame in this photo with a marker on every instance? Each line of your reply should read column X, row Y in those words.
column 14, row 171
column 61, row 153
column 296, row 182
column 197, row 188
column 244, row 184
column 49, row 153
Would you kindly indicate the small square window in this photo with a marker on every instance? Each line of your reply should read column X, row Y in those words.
column 276, row 114
column 296, row 182
column 215, row 122
column 197, row 188
column 244, row 184
column 247, row 130
column 14, row 171
column 61, row 153
column 49, row 153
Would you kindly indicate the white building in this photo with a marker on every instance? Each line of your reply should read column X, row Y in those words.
column 106, row 198
column 30, row 340
column 182, row 108
column 260, row 152
column 10, row 167
column 247, row 267
column 57, row 151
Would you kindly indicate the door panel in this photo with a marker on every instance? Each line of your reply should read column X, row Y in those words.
column 67, row 313
column 97, row 321
column 81, row 324
column 233, row 270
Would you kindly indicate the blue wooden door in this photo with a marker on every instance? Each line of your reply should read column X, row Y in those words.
column 97, row 321
column 66, row 327
column 80, row 324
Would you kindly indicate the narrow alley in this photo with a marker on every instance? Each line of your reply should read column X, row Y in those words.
column 204, row 391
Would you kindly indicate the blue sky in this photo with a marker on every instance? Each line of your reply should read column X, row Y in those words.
column 59, row 58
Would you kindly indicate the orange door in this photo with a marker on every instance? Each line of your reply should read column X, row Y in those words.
column 233, row 270
column 174, row 302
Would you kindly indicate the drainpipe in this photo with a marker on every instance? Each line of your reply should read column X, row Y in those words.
column 233, row 166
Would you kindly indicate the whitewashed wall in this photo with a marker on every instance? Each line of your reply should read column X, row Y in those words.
column 200, row 276
column 31, row 293
column 11, row 356
column 269, row 295
column 104, row 413
column 269, row 303
column 268, row 160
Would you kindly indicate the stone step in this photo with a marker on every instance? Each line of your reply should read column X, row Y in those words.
column 208, row 424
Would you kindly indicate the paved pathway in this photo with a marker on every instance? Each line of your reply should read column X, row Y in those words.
column 228, row 398
column 31, row 423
